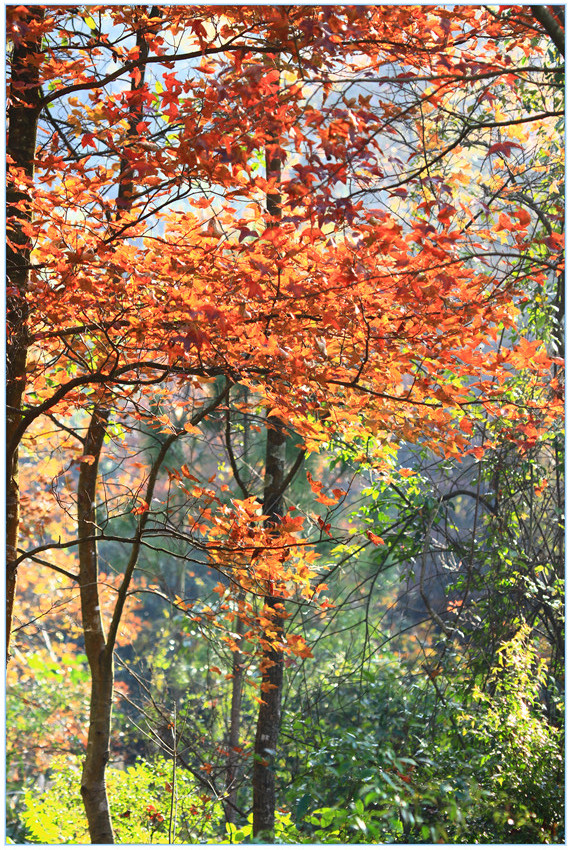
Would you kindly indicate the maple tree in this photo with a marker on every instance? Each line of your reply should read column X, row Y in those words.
column 282, row 200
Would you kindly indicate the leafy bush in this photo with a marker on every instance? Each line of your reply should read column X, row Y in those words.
column 517, row 756
column 472, row 765
column 141, row 798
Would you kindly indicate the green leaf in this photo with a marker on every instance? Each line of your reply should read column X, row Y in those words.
column 302, row 807
column 360, row 824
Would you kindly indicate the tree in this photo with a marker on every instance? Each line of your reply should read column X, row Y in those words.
column 345, row 291
column 23, row 116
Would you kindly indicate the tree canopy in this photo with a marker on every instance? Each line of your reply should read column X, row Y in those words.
column 284, row 363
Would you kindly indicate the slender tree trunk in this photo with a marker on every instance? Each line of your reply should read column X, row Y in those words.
column 232, row 766
column 93, row 789
column 25, row 93
column 230, row 804
column 269, row 717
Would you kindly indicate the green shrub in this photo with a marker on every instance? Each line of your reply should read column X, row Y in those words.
column 140, row 797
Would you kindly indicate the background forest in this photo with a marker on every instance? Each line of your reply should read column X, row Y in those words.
column 284, row 424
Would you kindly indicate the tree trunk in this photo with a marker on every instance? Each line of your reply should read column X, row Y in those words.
column 25, row 93
column 93, row 786
column 232, row 766
column 230, row 804
column 267, row 732
column 93, row 789
column 269, row 717
column 551, row 25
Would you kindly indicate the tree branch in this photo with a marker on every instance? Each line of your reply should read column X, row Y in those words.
column 233, row 463
column 544, row 16
column 137, row 542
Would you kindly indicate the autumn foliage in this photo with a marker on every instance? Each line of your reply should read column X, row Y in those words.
column 310, row 216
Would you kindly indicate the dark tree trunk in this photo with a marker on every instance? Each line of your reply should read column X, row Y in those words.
column 93, row 788
column 553, row 26
column 269, row 717
column 230, row 804
column 25, row 93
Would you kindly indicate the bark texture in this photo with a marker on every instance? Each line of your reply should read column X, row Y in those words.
column 269, row 716
column 93, row 788
column 230, row 803
column 551, row 24
column 23, row 110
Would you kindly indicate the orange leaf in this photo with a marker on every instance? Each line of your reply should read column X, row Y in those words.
column 523, row 216
column 374, row 538
column 316, row 486
column 88, row 459
column 326, row 500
